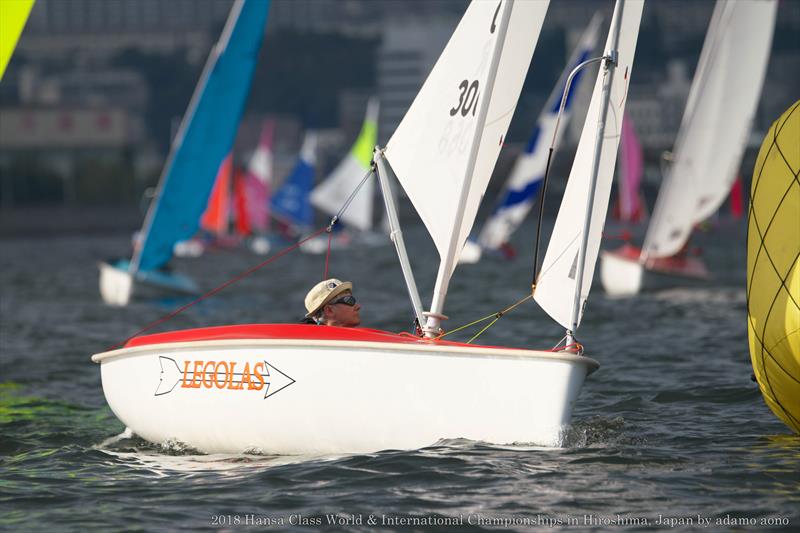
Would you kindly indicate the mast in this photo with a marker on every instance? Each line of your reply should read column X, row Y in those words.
column 435, row 316
column 609, row 63
column 396, row 234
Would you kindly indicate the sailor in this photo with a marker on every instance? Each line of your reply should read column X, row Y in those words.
column 331, row 303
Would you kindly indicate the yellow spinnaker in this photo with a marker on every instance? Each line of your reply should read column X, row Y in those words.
column 773, row 268
column 13, row 14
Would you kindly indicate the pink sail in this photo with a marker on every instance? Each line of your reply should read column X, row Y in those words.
column 631, row 206
column 258, row 181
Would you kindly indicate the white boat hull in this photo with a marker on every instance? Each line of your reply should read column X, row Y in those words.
column 620, row 276
column 116, row 285
column 332, row 396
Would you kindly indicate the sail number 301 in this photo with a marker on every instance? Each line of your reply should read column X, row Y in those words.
column 467, row 100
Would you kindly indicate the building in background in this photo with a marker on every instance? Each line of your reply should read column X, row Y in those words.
column 91, row 67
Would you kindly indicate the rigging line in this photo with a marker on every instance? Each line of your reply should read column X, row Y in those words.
column 214, row 291
column 337, row 216
column 328, row 254
column 353, row 194
column 497, row 316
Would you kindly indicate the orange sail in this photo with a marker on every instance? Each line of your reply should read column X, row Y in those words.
column 217, row 214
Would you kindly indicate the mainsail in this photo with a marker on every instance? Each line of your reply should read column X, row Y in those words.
column 716, row 122
column 522, row 187
column 258, row 180
column 205, row 137
column 216, row 218
column 445, row 148
column 334, row 191
column 631, row 208
column 290, row 203
column 558, row 279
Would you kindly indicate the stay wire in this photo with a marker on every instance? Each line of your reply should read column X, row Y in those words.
column 214, row 291
column 337, row 216
column 539, row 225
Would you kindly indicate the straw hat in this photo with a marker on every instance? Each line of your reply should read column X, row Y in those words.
column 323, row 292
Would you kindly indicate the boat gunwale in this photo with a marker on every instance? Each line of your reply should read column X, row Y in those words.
column 422, row 348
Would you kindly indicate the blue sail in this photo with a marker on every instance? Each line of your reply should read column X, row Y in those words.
column 522, row 186
column 291, row 202
column 205, row 137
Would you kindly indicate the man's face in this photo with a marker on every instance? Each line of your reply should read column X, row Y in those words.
column 341, row 314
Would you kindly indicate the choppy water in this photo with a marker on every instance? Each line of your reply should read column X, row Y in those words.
column 669, row 430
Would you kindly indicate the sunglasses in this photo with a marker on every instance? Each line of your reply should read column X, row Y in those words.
column 346, row 300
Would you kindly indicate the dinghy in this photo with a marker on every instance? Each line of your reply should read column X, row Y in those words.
column 238, row 208
column 292, row 389
column 333, row 192
column 773, row 269
column 291, row 206
column 258, row 188
column 204, row 139
column 709, row 147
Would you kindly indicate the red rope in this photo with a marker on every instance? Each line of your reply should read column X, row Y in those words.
column 327, row 255
column 212, row 292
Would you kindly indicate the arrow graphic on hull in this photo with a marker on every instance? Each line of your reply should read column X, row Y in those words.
column 271, row 379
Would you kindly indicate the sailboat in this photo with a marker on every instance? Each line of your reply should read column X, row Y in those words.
column 333, row 192
column 257, row 184
column 630, row 207
column 291, row 205
column 204, row 139
column 214, row 222
column 709, row 147
column 522, row 186
column 294, row 389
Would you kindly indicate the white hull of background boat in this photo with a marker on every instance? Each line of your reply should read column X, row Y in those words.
column 620, row 276
column 623, row 274
column 116, row 285
column 333, row 395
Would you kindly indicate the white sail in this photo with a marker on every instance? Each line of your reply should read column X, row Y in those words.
column 715, row 125
column 444, row 150
column 557, row 283
column 334, row 191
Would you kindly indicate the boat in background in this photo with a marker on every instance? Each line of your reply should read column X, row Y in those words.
column 630, row 207
column 709, row 147
column 204, row 139
column 257, row 185
column 292, row 389
column 523, row 183
column 291, row 205
column 334, row 191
